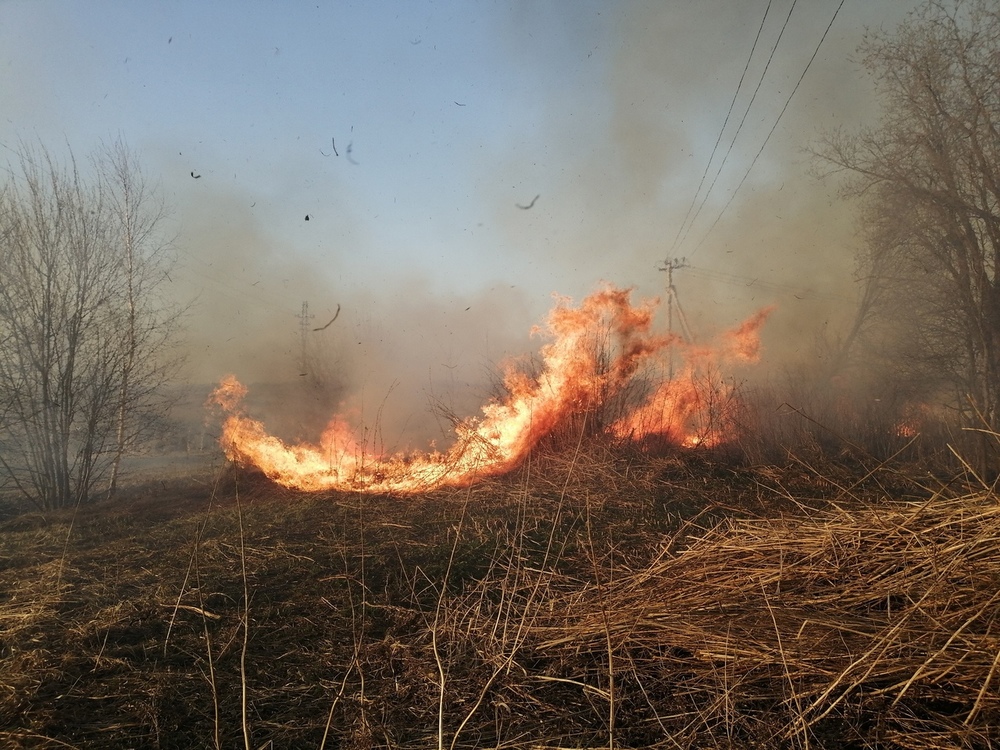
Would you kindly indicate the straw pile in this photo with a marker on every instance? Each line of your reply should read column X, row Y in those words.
column 854, row 626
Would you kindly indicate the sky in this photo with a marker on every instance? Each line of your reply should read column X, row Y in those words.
column 459, row 162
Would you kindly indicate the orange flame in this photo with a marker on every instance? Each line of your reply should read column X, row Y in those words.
column 693, row 409
column 595, row 351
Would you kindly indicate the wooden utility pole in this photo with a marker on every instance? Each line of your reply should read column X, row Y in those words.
column 670, row 265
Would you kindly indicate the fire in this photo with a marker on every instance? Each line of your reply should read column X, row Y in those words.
column 692, row 409
column 594, row 352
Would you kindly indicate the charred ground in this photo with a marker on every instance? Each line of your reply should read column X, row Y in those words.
column 594, row 598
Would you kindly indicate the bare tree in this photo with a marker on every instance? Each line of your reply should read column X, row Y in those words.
column 81, row 328
column 147, row 323
column 928, row 179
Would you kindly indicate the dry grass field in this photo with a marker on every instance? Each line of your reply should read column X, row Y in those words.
column 594, row 598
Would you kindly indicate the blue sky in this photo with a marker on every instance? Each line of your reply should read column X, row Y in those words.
column 446, row 115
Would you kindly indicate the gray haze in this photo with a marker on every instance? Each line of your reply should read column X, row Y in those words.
column 456, row 114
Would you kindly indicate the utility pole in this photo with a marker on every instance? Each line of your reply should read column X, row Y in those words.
column 670, row 265
column 304, row 318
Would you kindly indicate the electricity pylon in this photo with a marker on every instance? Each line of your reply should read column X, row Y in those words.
column 304, row 318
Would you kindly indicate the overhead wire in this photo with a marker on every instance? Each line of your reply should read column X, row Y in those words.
column 226, row 289
column 722, row 130
column 758, row 283
column 746, row 113
column 773, row 128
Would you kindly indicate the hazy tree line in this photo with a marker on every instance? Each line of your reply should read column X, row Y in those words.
column 927, row 181
column 85, row 336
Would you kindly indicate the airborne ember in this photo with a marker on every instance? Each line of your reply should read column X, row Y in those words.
column 595, row 351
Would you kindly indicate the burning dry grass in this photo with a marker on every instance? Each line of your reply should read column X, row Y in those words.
column 598, row 354
column 594, row 599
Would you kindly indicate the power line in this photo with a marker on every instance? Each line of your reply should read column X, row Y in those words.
column 715, row 148
column 207, row 274
column 758, row 283
column 773, row 128
column 746, row 113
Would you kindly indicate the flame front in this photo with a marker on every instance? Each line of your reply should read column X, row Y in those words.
column 595, row 351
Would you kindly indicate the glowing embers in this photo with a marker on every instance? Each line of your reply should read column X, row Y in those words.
column 600, row 355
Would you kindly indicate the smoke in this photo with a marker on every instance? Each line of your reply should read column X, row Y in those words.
column 413, row 355
column 243, row 290
column 615, row 160
column 396, row 360
column 630, row 164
